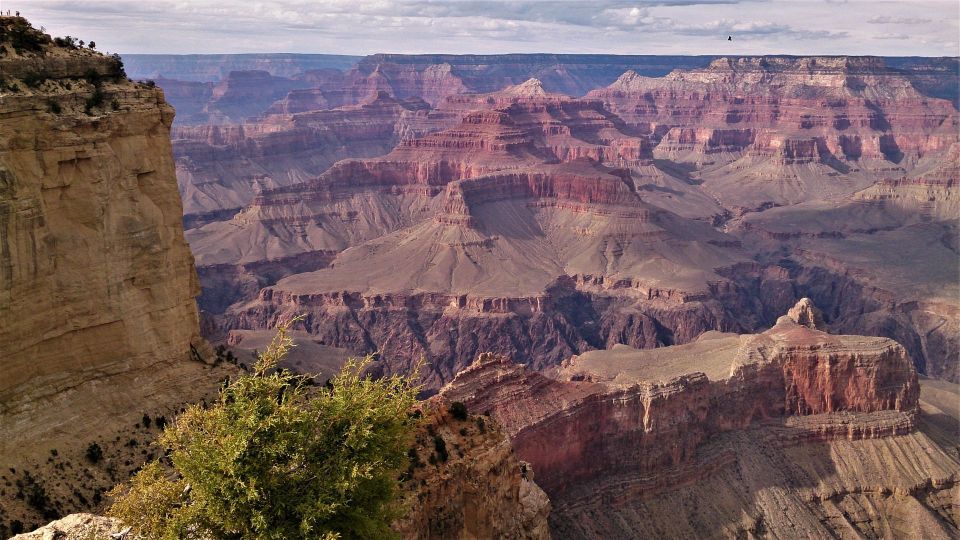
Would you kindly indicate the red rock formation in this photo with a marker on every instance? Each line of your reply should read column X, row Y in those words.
column 765, row 117
column 643, row 412
column 489, row 197
column 478, row 489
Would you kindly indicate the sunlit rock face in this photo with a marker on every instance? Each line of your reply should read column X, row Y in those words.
column 620, row 437
column 97, row 284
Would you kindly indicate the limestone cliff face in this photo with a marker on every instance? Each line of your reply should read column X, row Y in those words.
column 97, row 283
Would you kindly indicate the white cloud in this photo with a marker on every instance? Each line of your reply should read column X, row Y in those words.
column 897, row 20
column 500, row 26
column 891, row 36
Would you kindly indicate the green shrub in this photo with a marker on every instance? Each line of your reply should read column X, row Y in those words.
column 118, row 71
column 95, row 100
column 274, row 458
column 54, row 106
column 458, row 410
column 440, row 446
column 94, row 453
column 22, row 37
column 35, row 79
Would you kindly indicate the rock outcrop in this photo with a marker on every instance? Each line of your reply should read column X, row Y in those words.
column 75, row 527
column 464, row 482
column 97, row 285
column 807, row 314
column 783, row 130
column 662, row 404
column 614, row 433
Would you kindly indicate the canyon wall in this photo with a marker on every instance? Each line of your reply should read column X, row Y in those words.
column 465, row 482
column 537, row 225
column 97, row 284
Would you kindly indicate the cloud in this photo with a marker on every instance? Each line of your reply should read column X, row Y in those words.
column 892, row 36
column 897, row 20
column 499, row 26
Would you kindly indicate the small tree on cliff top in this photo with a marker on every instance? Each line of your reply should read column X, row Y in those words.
column 274, row 458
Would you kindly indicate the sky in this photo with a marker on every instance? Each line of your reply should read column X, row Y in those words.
column 358, row 27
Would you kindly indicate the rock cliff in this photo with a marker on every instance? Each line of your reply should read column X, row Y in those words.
column 782, row 130
column 97, row 284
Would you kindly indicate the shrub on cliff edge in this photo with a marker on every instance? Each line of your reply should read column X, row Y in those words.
column 275, row 458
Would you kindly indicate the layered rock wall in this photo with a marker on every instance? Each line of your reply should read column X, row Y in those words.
column 97, row 284
column 612, row 422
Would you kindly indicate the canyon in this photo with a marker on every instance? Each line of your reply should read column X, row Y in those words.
column 100, row 343
column 540, row 225
column 679, row 296
column 620, row 258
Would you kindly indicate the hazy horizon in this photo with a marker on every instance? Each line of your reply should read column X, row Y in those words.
column 358, row 28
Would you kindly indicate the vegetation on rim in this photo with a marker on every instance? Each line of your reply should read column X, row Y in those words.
column 275, row 457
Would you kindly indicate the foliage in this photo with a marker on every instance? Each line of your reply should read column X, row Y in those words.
column 441, row 448
column 35, row 78
column 22, row 37
column 118, row 71
column 69, row 42
column 276, row 458
column 94, row 452
column 458, row 410
column 30, row 489
column 95, row 100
